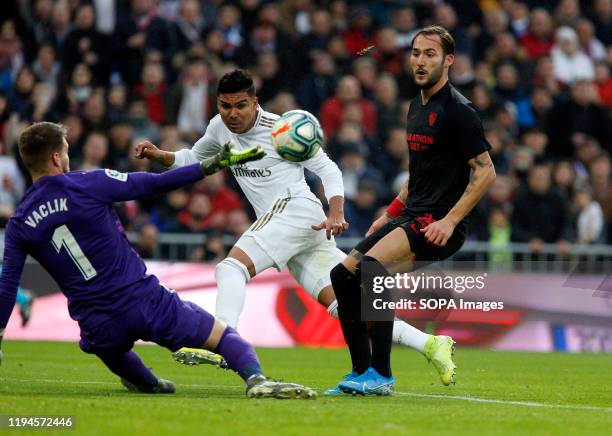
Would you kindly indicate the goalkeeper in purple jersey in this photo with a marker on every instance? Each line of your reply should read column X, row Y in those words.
column 67, row 223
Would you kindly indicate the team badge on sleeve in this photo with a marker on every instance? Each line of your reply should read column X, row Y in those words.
column 114, row 174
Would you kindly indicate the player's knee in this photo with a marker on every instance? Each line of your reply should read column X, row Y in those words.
column 342, row 280
column 231, row 266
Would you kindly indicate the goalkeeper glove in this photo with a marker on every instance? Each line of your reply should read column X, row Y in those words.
column 227, row 157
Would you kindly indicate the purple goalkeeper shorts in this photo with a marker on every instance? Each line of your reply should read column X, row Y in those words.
column 160, row 317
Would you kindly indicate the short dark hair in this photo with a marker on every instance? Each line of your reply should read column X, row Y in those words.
column 236, row 81
column 38, row 142
column 448, row 42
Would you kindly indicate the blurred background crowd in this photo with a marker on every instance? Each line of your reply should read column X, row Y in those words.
column 118, row 71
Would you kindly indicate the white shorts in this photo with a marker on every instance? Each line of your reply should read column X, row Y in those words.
column 283, row 235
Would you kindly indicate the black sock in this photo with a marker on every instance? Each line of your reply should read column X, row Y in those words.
column 380, row 325
column 348, row 294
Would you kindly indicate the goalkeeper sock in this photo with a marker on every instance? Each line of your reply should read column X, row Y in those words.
column 348, row 294
column 129, row 367
column 238, row 353
column 405, row 334
column 231, row 276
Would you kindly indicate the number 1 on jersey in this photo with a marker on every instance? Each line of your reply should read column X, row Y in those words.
column 63, row 237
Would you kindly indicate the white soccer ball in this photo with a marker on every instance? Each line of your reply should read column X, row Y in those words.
column 297, row 135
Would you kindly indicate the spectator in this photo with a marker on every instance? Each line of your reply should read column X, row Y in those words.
column 20, row 99
column 117, row 100
column 359, row 34
column 12, row 185
column 165, row 215
column 120, row 135
column 191, row 100
column 84, row 44
column 94, row 113
column 228, row 23
column 46, row 68
column 601, row 183
column 589, row 219
column 601, row 17
column 394, row 157
column 138, row 32
column 147, row 244
column 320, row 32
column 152, row 89
column 189, row 25
column 539, row 214
column 355, row 168
column 221, row 198
column 95, row 152
column 499, row 236
column 237, row 222
column 462, row 74
column 604, row 83
column 347, row 91
column 569, row 62
column 388, row 55
column 588, row 42
column 564, row 178
column 12, row 56
column 73, row 94
column 576, row 117
column 195, row 218
column 446, row 16
column 361, row 210
column 318, row 85
column 142, row 125
column 405, row 25
column 273, row 79
column 533, row 112
column 283, row 102
column 538, row 41
column 495, row 22
column 60, row 26
column 365, row 70
column 387, row 105
column 567, row 12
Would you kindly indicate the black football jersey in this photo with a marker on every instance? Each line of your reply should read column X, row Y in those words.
column 442, row 136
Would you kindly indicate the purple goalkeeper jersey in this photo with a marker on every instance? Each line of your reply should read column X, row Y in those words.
column 67, row 223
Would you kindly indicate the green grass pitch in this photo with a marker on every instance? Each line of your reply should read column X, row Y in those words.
column 497, row 393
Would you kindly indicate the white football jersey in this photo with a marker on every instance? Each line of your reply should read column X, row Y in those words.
column 264, row 180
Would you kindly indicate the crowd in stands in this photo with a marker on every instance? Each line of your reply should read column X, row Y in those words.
column 115, row 72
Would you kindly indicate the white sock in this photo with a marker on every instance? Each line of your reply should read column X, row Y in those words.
column 405, row 334
column 232, row 277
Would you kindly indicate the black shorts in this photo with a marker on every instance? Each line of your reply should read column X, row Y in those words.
column 424, row 251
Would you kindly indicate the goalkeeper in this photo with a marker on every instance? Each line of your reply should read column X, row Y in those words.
column 66, row 222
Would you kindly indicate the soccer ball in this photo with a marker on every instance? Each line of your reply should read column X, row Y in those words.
column 297, row 136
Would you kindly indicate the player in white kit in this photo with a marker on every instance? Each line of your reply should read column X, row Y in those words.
column 289, row 216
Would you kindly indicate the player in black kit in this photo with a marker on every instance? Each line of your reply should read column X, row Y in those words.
column 450, row 170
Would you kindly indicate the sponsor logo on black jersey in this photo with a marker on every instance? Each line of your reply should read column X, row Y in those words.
column 417, row 142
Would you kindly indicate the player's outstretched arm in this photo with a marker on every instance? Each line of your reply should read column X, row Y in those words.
column 111, row 186
column 14, row 259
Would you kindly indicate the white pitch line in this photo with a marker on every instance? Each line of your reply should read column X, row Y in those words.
column 403, row 394
column 506, row 402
